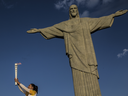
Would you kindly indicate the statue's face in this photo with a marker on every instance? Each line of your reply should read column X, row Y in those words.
column 73, row 10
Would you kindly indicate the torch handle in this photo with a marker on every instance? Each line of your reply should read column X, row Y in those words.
column 16, row 68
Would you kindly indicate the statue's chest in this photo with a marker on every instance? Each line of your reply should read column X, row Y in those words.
column 77, row 25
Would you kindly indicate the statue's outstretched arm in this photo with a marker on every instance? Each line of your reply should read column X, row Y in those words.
column 119, row 13
column 34, row 30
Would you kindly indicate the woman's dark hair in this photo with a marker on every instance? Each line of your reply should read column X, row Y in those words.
column 35, row 87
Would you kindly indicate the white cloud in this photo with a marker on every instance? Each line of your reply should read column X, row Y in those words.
column 92, row 3
column 64, row 4
column 70, row 2
column 81, row 1
column 122, row 54
column 88, row 3
column 84, row 14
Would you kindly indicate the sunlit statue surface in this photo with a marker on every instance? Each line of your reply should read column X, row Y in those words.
column 76, row 33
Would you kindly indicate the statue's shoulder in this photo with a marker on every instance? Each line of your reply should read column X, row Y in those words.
column 89, row 19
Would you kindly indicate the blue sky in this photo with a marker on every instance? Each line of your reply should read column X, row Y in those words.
column 44, row 61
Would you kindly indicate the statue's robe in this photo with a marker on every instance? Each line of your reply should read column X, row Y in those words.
column 79, row 48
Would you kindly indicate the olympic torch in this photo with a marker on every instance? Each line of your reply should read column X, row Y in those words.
column 16, row 70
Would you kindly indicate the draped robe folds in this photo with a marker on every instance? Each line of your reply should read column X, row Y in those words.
column 78, row 42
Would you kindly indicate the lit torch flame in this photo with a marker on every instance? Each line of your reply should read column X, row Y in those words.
column 18, row 63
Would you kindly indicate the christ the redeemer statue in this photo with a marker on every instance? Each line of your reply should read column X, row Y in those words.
column 76, row 33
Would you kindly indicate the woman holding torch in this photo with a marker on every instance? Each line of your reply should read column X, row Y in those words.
column 32, row 89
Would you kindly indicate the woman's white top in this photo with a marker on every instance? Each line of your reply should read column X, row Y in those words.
column 26, row 91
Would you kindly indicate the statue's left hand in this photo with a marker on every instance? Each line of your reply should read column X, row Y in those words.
column 34, row 30
column 120, row 12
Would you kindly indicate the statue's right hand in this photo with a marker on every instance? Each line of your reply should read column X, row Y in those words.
column 120, row 12
column 34, row 30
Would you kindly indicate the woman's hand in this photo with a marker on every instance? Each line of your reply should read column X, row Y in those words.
column 16, row 80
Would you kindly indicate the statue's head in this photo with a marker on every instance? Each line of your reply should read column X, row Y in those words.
column 73, row 11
